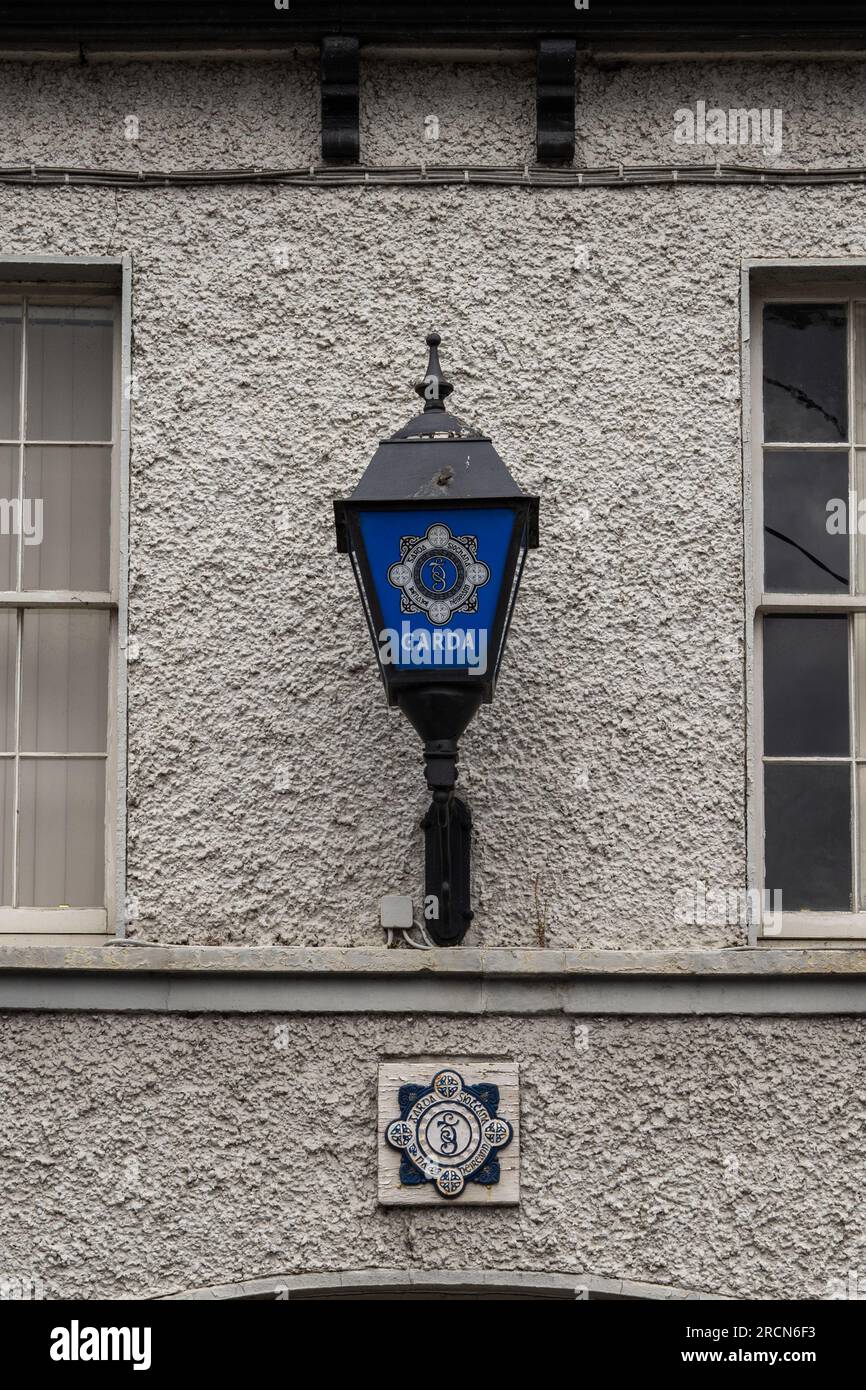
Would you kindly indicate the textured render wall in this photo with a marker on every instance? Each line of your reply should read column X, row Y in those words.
column 484, row 111
column 277, row 335
column 216, row 115
column 610, row 769
column 208, row 116
column 627, row 113
column 145, row 1155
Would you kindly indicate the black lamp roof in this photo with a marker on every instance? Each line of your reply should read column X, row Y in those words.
column 435, row 459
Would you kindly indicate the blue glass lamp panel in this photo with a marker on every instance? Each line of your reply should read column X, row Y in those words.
column 438, row 576
column 512, row 598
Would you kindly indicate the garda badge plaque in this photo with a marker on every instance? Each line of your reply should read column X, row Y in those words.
column 448, row 1130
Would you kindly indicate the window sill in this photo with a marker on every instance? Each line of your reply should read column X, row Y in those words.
column 818, row 926
column 54, row 926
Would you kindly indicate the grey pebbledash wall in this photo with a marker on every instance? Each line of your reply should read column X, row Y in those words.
column 145, row 1156
column 277, row 334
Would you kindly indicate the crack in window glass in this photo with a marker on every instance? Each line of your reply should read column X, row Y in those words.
column 809, row 556
column 807, row 401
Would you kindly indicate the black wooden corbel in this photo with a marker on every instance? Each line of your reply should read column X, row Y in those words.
column 555, row 100
column 341, row 141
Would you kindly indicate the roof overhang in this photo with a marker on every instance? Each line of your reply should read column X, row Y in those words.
column 50, row 28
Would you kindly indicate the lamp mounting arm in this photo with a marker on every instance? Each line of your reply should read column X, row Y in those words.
column 447, row 829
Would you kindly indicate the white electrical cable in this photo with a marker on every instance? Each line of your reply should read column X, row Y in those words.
column 539, row 176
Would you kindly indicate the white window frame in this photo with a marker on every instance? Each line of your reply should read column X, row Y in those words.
column 60, row 280
column 825, row 281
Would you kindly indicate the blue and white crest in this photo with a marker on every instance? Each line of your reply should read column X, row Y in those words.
column 449, row 1133
column 438, row 574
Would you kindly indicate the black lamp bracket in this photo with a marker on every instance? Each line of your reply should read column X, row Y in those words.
column 447, row 830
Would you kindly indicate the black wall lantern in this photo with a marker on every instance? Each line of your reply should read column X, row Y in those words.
column 437, row 530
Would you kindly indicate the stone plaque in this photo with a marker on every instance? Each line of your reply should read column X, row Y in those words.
column 449, row 1132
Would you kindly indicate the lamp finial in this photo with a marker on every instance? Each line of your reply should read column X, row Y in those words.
column 434, row 388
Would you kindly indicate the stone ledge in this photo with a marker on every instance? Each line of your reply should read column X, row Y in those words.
column 500, row 981
column 761, row 963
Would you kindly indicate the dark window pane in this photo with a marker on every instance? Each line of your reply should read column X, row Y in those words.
column 10, row 371
column 805, row 373
column 806, row 687
column 807, row 812
column 800, row 554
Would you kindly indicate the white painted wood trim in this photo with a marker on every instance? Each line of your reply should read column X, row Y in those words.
column 58, row 921
column 751, row 541
column 818, row 926
column 31, row 939
column 116, row 823
column 54, row 598
column 812, row 603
